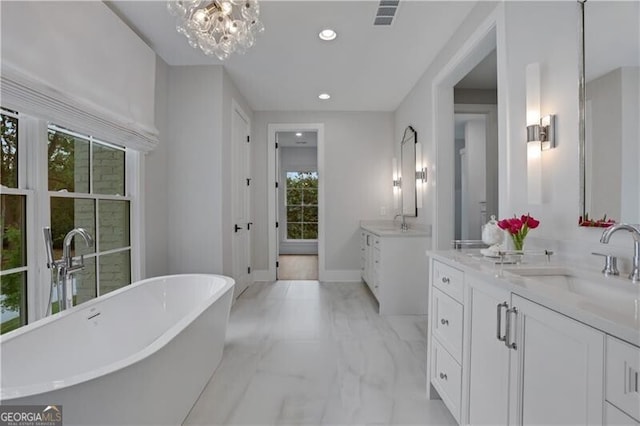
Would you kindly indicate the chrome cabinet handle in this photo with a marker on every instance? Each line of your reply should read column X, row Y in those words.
column 444, row 321
column 443, row 376
column 507, row 330
column 499, row 321
column 445, row 280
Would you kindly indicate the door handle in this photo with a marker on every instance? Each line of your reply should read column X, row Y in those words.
column 507, row 330
column 499, row 321
column 236, row 228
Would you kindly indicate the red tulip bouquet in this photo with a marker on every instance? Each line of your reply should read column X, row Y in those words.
column 518, row 228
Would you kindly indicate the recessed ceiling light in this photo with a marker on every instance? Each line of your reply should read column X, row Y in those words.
column 324, row 96
column 327, row 34
column 298, row 134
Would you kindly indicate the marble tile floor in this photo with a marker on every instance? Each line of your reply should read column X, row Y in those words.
column 310, row 353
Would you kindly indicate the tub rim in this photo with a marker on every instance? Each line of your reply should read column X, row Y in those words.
column 10, row 393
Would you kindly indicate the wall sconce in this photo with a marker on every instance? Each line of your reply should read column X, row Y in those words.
column 543, row 132
column 421, row 175
column 397, row 183
column 540, row 134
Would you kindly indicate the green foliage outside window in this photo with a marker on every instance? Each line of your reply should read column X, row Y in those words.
column 9, row 163
column 12, row 217
column 302, row 205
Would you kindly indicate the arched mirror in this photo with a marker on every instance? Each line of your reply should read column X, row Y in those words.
column 408, row 172
column 609, row 112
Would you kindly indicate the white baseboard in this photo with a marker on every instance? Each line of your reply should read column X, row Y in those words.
column 340, row 275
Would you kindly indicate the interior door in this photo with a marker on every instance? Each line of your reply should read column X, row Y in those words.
column 241, row 190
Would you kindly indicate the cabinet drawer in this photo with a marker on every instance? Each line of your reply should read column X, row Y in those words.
column 448, row 279
column 446, row 378
column 615, row 417
column 376, row 271
column 447, row 323
column 623, row 376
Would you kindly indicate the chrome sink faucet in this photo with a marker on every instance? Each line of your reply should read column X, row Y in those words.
column 635, row 233
column 403, row 226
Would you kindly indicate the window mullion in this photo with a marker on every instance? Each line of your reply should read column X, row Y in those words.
column 34, row 141
column 96, row 244
column 134, row 172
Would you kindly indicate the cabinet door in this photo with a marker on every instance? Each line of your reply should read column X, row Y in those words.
column 363, row 254
column 366, row 276
column 557, row 368
column 489, row 356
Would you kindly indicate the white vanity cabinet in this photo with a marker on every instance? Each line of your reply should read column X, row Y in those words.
column 447, row 326
column 394, row 268
column 488, row 365
column 369, row 270
column 557, row 368
column 523, row 363
column 623, row 380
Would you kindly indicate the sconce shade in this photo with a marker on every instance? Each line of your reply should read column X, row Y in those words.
column 534, row 160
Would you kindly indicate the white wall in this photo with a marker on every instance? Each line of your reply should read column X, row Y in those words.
column 357, row 179
column 555, row 24
column 194, row 189
column 156, row 219
column 526, row 30
column 416, row 109
column 188, row 191
column 83, row 50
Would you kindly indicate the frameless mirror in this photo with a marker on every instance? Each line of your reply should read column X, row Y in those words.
column 609, row 111
column 408, row 172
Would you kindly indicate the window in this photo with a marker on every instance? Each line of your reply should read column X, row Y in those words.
column 13, row 214
column 86, row 186
column 302, row 205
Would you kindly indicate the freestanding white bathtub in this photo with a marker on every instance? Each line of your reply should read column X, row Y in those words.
column 138, row 356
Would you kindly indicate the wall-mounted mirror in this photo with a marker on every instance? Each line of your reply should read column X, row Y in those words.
column 609, row 110
column 408, row 172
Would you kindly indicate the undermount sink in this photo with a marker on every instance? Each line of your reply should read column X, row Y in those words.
column 597, row 288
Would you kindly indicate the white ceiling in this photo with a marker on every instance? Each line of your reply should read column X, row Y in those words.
column 305, row 140
column 366, row 68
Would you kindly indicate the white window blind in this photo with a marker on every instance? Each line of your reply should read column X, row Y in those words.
column 21, row 93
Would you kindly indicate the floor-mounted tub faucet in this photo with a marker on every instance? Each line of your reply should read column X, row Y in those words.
column 635, row 233
column 64, row 268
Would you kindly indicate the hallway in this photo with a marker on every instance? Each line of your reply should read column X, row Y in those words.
column 297, row 267
column 318, row 353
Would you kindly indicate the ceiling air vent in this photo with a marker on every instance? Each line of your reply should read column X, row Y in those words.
column 386, row 12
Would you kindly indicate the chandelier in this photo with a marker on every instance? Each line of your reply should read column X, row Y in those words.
column 218, row 27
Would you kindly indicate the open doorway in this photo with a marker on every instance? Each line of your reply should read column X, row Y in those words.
column 479, row 50
column 297, row 205
column 476, row 149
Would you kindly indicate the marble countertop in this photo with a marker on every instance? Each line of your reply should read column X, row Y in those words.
column 610, row 304
column 389, row 229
